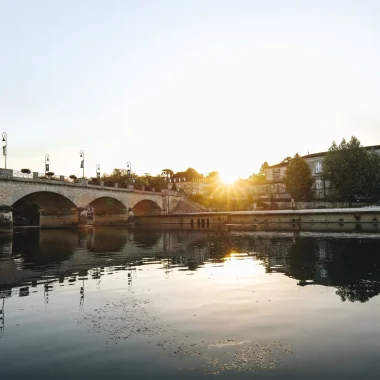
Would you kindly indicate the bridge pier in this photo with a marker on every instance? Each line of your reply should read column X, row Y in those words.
column 113, row 217
column 59, row 218
column 6, row 219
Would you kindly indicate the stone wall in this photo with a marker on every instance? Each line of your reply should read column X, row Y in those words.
column 11, row 190
column 195, row 220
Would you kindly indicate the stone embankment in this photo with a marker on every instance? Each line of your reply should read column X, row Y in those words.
column 273, row 218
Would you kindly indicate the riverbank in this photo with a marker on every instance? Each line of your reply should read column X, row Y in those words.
column 297, row 217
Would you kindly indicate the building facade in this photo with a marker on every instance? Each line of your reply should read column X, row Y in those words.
column 189, row 181
column 275, row 174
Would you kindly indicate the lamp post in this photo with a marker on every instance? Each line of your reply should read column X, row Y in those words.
column 47, row 169
column 5, row 140
column 97, row 171
column 129, row 169
column 82, row 161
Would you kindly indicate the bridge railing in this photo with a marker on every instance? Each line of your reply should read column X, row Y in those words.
column 36, row 175
column 20, row 174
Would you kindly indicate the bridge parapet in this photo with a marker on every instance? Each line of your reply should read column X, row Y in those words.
column 9, row 175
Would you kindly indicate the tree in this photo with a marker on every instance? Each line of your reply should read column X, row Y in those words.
column 260, row 177
column 298, row 180
column 286, row 160
column 351, row 170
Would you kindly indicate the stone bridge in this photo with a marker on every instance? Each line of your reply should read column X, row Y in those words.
column 59, row 203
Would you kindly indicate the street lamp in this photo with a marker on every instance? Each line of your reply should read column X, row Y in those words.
column 5, row 140
column 46, row 163
column 97, row 171
column 82, row 161
column 129, row 169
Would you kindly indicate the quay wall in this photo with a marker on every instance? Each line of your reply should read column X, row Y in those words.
column 339, row 216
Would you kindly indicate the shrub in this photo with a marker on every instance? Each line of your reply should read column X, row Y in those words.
column 26, row 171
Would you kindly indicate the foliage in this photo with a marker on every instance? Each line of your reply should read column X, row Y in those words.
column 25, row 171
column 50, row 174
column 146, row 181
column 351, row 170
column 259, row 178
column 298, row 179
column 286, row 160
column 213, row 176
column 94, row 181
column 199, row 198
column 73, row 177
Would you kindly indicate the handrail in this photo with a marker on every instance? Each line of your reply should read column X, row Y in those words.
column 19, row 174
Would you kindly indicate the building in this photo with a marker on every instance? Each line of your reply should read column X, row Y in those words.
column 275, row 174
column 190, row 181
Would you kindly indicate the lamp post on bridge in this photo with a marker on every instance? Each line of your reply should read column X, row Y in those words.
column 98, row 171
column 47, row 166
column 129, row 169
column 82, row 161
column 5, row 140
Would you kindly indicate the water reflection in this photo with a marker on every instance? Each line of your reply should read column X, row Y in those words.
column 349, row 263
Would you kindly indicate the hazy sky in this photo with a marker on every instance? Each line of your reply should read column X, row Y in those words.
column 215, row 85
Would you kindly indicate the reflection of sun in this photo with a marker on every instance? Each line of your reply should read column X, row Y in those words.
column 238, row 266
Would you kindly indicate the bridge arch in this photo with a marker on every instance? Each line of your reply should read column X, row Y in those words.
column 108, row 210
column 106, row 203
column 18, row 195
column 146, row 207
column 43, row 208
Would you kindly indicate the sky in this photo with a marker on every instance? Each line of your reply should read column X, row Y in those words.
column 209, row 84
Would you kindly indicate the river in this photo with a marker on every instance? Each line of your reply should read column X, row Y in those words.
column 110, row 303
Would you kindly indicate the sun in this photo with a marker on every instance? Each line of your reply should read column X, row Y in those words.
column 228, row 178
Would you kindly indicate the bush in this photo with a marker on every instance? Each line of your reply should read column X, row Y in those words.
column 73, row 177
column 26, row 171
column 50, row 174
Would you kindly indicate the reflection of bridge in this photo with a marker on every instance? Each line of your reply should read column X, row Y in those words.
column 58, row 203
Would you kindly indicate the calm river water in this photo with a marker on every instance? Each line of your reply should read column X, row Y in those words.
column 111, row 303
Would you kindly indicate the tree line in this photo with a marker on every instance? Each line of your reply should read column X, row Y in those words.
column 349, row 171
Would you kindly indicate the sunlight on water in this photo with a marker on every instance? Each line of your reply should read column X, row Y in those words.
column 170, row 304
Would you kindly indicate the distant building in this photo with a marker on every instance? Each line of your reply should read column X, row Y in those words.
column 275, row 174
column 190, row 181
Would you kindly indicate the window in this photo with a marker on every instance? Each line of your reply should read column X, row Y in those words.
column 318, row 167
column 319, row 184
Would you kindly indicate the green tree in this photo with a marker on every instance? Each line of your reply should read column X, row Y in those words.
column 351, row 170
column 298, row 180
column 259, row 178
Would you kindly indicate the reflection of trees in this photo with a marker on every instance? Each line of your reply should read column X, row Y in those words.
column 301, row 260
column 350, row 265
column 146, row 238
column 354, row 268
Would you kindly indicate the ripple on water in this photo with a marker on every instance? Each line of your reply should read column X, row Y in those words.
column 130, row 317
